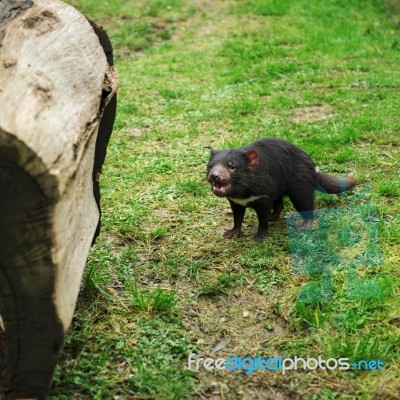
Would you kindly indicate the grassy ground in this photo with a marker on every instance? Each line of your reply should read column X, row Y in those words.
column 161, row 282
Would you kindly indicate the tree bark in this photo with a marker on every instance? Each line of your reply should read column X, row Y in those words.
column 58, row 102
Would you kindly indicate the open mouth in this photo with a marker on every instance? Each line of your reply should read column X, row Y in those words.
column 220, row 188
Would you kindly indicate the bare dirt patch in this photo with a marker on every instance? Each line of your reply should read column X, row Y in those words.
column 313, row 113
column 244, row 325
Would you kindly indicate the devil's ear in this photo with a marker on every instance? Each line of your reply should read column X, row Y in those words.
column 252, row 158
column 212, row 149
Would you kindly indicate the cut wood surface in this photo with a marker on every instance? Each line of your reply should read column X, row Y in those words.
column 56, row 88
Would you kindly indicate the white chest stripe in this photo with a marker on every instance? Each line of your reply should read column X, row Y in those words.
column 244, row 202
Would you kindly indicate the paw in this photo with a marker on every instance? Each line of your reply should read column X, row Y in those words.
column 261, row 235
column 305, row 224
column 232, row 233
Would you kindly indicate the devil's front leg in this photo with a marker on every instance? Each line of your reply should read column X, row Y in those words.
column 263, row 210
column 238, row 214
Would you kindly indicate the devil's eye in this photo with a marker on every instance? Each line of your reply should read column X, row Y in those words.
column 231, row 166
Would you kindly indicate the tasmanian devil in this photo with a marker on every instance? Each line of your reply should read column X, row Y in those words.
column 260, row 174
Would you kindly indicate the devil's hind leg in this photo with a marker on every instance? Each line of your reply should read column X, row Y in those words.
column 278, row 207
column 304, row 203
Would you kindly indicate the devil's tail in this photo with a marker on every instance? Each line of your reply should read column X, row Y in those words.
column 335, row 184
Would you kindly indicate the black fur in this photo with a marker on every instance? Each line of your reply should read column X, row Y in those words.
column 265, row 171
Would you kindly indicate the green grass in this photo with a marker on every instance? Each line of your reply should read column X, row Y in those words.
column 161, row 281
column 158, row 301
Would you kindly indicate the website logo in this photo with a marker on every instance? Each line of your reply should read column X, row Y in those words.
column 249, row 364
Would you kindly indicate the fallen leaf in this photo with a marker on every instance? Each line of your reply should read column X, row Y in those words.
column 221, row 345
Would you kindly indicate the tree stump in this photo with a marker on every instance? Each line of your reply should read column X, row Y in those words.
column 57, row 108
